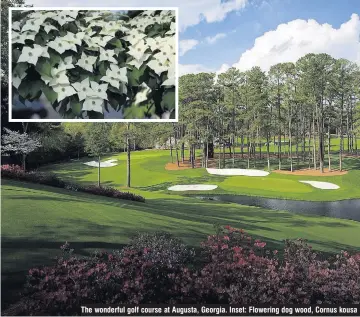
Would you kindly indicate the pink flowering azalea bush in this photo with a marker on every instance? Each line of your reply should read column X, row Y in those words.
column 232, row 268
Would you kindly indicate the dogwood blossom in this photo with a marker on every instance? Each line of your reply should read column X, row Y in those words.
column 64, row 91
column 16, row 26
column 101, row 41
column 107, row 55
column 138, row 50
column 62, row 18
column 142, row 94
column 139, row 62
column 111, row 79
column 67, row 63
column 32, row 25
column 172, row 29
column 170, row 81
column 87, row 62
column 59, row 77
column 71, row 13
column 29, row 35
column 16, row 79
column 157, row 66
column 134, row 36
column 156, row 43
column 30, row 55
column 83, row 89
column 99, row 90
column 118, row 72
column 48, row 27
column 93, row 104
column 44, row 50
column 74, row 38
column 60, row 45
column 17, row 37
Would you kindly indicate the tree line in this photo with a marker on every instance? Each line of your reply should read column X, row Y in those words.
column 298, row 108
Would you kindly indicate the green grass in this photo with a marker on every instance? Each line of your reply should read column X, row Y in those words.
column 37, row 220
column 149, row 178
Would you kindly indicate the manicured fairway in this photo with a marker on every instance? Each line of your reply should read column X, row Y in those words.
column 150, row 178
column 37, row 219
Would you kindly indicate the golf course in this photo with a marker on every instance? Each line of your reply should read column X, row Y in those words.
column 38, row 219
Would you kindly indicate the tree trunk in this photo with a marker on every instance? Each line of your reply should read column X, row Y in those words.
column 24, row 162
column 128, row 155
column 341, row 133
column 329, row 146
column 268, row 150
column 176, row 148
column 99, row 158
column 171, row 150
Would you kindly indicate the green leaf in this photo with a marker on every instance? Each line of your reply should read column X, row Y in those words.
column 116, row 42
column 103, row 66
column 43, row 67
column 39, row 40
column 20, row 68
column 49, row 93
column 35, row 88
column 54, row 57
column 95, row 115
column 15, row 55
column 134, row 112
column 76, row 107
column 24, row 89
column 168, row 100
column 136, row 76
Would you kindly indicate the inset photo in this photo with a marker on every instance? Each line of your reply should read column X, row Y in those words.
column 113, row 64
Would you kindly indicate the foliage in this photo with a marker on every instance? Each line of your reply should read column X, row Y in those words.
column 18, row 143
column 236, row 269
column 17, row 173
column 88, row 63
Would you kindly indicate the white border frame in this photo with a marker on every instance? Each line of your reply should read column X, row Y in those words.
column 176, row 9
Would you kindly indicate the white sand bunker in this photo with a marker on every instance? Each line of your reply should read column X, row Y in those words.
column 108, row 163
column 321, row 185
column 180, row 188
column 237, row 171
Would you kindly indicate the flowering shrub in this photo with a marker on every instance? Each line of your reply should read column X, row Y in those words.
column 111, row 192
column 87, row 61
column 11, row 168
column 236, row 269
column 53, row 180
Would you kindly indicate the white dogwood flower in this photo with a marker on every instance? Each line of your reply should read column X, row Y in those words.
column 138, row 50
column 71, row 13
column 93, row 16
column 157, row 66
column 142, row 94
column 30, row 55
column 156, row 43
column 172, row 29
column 16, row 79
column 74, row 38
column 48, row 27
column 16, row 26
column 83, row 89
column 139, row 62
column 61, row 46
column 29, row 35
column 87, row 62
column 62, row 18
column 59, row 77
column 46, row 79
column 107, row 55
column 111, row 78
column 32, row 25
column 93, row 104
column 65, row 64
column 170, row 81
column 134, row 36
column 42, row 15
column 99, row 90
column 101, row 41
column 64, row 91
column 118, row 72
column 17, row 37
column 44, row 50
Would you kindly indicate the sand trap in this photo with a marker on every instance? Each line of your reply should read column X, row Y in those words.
column 108, row 163
column 237, row 171
column 321, row 185
column 180, row 188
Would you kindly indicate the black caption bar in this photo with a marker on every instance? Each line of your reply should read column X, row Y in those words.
column 215, row 310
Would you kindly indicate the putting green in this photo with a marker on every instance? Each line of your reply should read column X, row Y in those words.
column 149, row 178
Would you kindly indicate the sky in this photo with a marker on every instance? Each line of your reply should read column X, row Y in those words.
column 218, row 34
